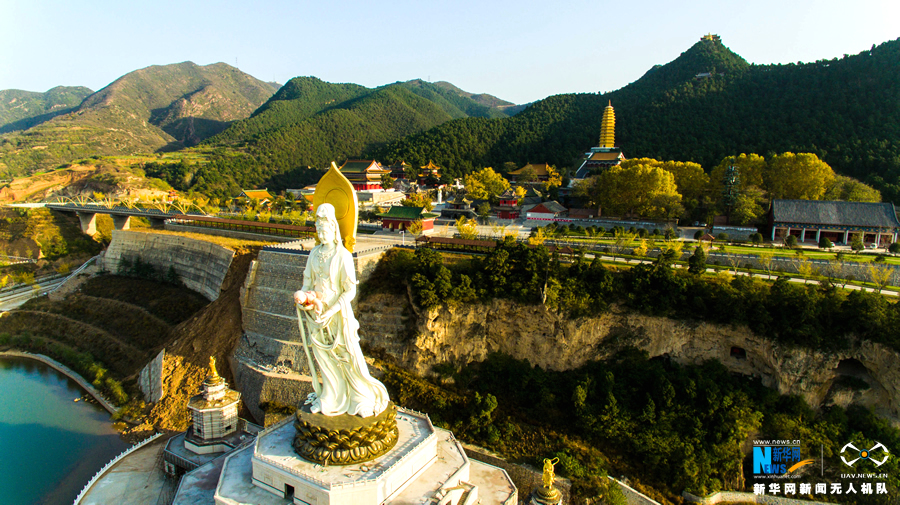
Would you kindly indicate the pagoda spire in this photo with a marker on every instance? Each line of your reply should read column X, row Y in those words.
column 608, row 127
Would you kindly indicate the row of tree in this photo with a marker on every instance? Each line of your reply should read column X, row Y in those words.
column 740, row 186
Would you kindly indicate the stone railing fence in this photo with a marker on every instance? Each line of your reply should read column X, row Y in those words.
column 109, row 465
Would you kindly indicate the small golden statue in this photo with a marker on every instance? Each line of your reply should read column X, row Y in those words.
column 549, row 475
column 547, row 494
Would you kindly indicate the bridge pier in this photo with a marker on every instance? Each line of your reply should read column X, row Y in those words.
column 88, row 222
column 158, row 223
column 121, row 222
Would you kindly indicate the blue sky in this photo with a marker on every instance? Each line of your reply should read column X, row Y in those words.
column 520, row 51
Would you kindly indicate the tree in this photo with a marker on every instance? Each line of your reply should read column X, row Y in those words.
column 766, row 258
column 857, row 244
column 520, row 193
column 418, row 200
column 800, row 176
column 415, row 228
column 756, row 238
column 483, row 210
column 537, row 237
column 790, row 241
column 643, row 190
column 528, row 174
column 894, row 248
column 880, row 275
column 387, row 182
column 623, row 239
column 748, row 206
column 467, row 228
column 824, row 243
column 641, row 249
column 849, row 189
column 697, row 261
column 554, row 180
column 485, row 184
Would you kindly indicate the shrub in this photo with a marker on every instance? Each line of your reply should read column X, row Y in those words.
column 824, row 243
column 723, row 237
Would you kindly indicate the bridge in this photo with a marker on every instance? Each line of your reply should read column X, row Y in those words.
column 121, row 215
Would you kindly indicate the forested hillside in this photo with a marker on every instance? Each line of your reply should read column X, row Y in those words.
column 309, row 123
column 847, row 111
column 20, row 110
column 158, row 107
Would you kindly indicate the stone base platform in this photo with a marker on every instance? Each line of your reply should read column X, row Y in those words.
column 426, row 466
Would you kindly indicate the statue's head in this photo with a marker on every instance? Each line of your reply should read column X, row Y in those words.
column 327, row 225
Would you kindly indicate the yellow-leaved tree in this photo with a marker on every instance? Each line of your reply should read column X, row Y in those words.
column 643, row 190
column 485, row 184
column 801, row 176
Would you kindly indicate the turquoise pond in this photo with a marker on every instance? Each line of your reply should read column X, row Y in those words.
column 50, row 445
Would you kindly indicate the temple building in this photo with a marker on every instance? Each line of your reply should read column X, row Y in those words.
column 606, row 154
column 541, row 171
column 459, row 207
column 508, row 205
column 365, row 175
column 399, row 218
column 430, row 170
column 837, row 221
column 398, row 170
column 262, row 195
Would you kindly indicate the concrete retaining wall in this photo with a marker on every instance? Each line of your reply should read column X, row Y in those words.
column 200, row 265
column 150, row 379
column 229, row 233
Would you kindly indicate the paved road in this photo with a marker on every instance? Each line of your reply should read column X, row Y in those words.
column 14, row 299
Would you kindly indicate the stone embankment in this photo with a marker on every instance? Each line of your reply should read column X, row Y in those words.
column 200, row 265
column 68, row 372
column 463, row 334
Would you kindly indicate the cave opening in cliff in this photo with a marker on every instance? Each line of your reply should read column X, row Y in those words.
column 852, row 367
column 738, row 353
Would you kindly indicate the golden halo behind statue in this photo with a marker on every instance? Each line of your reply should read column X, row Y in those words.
column 335, row 188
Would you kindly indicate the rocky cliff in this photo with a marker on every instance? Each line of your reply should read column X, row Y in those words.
column 463, row 334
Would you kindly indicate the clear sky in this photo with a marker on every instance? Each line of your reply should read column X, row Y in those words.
column 520, row 51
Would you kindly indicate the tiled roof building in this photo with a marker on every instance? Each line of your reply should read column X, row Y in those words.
column 835, row 220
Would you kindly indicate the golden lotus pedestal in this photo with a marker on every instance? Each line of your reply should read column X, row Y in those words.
column 344, row 439
column 544, row 496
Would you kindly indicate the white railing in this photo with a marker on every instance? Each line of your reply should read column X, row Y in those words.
column 109, row 465
column 76, row 272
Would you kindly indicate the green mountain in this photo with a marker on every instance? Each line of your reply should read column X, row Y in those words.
column 310, row 123
column 20, row 110
column 278, row 145
column 156, row 108
column 706, row 104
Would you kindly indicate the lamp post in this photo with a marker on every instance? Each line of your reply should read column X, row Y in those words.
column 402, row 237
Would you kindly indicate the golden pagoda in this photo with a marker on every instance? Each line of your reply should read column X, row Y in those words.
column 606, row 154
column 608, row 127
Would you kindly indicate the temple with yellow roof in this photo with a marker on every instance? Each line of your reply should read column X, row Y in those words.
column 606, row 154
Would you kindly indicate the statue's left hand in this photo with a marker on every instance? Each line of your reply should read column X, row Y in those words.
column 326, row 316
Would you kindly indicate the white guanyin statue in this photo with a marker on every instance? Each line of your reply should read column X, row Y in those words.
column 331, row 330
